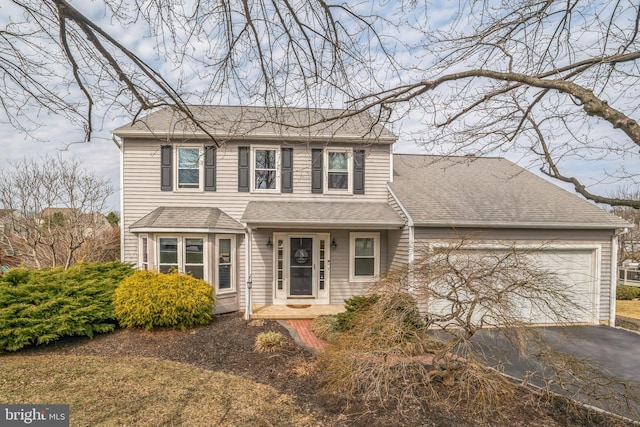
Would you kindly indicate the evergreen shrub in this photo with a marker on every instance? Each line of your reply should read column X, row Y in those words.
column 149, row 299
column 624, row 292
column 41, row 306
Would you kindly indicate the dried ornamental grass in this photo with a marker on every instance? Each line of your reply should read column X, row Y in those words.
column 267, row 342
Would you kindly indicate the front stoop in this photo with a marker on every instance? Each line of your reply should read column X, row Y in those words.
column 283, row 312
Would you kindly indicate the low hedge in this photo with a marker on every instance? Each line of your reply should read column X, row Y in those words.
column 624, row 292
column 41, row 306
column 149, row 299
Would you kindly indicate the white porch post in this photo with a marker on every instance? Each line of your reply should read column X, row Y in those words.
column 248, row 243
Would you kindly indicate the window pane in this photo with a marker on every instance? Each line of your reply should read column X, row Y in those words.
column 224, row 277
column 168, row 251
column 196, row 271
column 364, row 246
column 338, row 180
column 265, row 180
column 224, row 251
column 189, row 177
column 166, row 268
column 338, row 161
column 145, row 250
column 265, row 159
column 364, row 266
column 188, row 157
column 194, row 253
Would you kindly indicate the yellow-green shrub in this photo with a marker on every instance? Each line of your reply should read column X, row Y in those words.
column 149, row 299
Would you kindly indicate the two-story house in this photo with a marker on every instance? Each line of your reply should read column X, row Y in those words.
column 282, row 207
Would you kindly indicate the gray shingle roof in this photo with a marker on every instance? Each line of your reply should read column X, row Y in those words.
column 180, row 218
column 488, row 192
column 322, row 214
column 241, row 122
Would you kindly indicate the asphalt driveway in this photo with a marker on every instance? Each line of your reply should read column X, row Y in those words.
column 609, row 380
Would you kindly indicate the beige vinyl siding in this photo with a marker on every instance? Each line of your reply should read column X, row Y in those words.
column 398, row 244
column 141, row 183
column 602, row 238
column 261, row 269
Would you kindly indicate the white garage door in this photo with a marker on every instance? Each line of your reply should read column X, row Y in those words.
column 575, row 269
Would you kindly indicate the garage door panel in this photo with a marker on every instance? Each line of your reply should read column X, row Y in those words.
column 573, row 269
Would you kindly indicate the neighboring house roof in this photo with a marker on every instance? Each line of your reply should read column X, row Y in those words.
column 488, row 192
column 5, row 246
column 197, row 219
column 241, row 122
column 321, row 215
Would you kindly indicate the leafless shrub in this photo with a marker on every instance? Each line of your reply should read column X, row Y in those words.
column 393, row 355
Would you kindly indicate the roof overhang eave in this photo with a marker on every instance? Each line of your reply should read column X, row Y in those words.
column 528, row 225
column 199, row 230
column 324, row 225
column 252, row 136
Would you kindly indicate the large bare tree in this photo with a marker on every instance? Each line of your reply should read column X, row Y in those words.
column 56, row 211
column 551, row 81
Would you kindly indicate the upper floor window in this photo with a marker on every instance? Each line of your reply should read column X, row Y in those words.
column 266, row 168
column 189, row 167
column 338, row 170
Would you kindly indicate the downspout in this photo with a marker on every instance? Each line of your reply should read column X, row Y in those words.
column 121, row 148
column 614, row 275
column 248, row 242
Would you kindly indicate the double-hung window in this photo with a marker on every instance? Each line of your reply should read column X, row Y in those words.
column 266, row 162
column 189, row 163
column 168, row 253
column 225, row 260
column 194, row 257
column 365, row 256
column 144, row 252
column 338, row 171
column 185, row 254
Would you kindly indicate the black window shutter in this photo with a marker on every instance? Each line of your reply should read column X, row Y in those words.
column 316, row 170
column 166, row 160
column 358, row 172
column 210, row 168
column 286, row 170
column 243, row 169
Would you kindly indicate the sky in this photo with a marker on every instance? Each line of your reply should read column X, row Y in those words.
column 56, row 136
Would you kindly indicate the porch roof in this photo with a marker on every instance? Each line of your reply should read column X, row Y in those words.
column 321, row 215
column 186, row 219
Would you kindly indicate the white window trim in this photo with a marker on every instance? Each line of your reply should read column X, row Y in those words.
column 181, row 248
column 352, row 257
column 141, row 250
column 349, row 189
column 176, row 173
column 253, row 168
column 232, row 272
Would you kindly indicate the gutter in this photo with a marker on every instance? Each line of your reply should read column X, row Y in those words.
column 121, row 149
column 614, row 275
column 248, row 311
column 331, row 138
column 530, row 225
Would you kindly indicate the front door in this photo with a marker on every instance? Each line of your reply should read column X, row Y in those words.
column 301, row 267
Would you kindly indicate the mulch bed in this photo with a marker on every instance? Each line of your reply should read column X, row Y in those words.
column 227, row 345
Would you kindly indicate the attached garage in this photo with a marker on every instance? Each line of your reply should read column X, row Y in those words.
column 491, row 203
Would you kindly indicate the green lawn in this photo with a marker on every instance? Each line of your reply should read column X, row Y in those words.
column 628, row 308
column 144, row 392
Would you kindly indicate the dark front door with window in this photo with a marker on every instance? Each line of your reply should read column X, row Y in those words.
column 301, row 267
